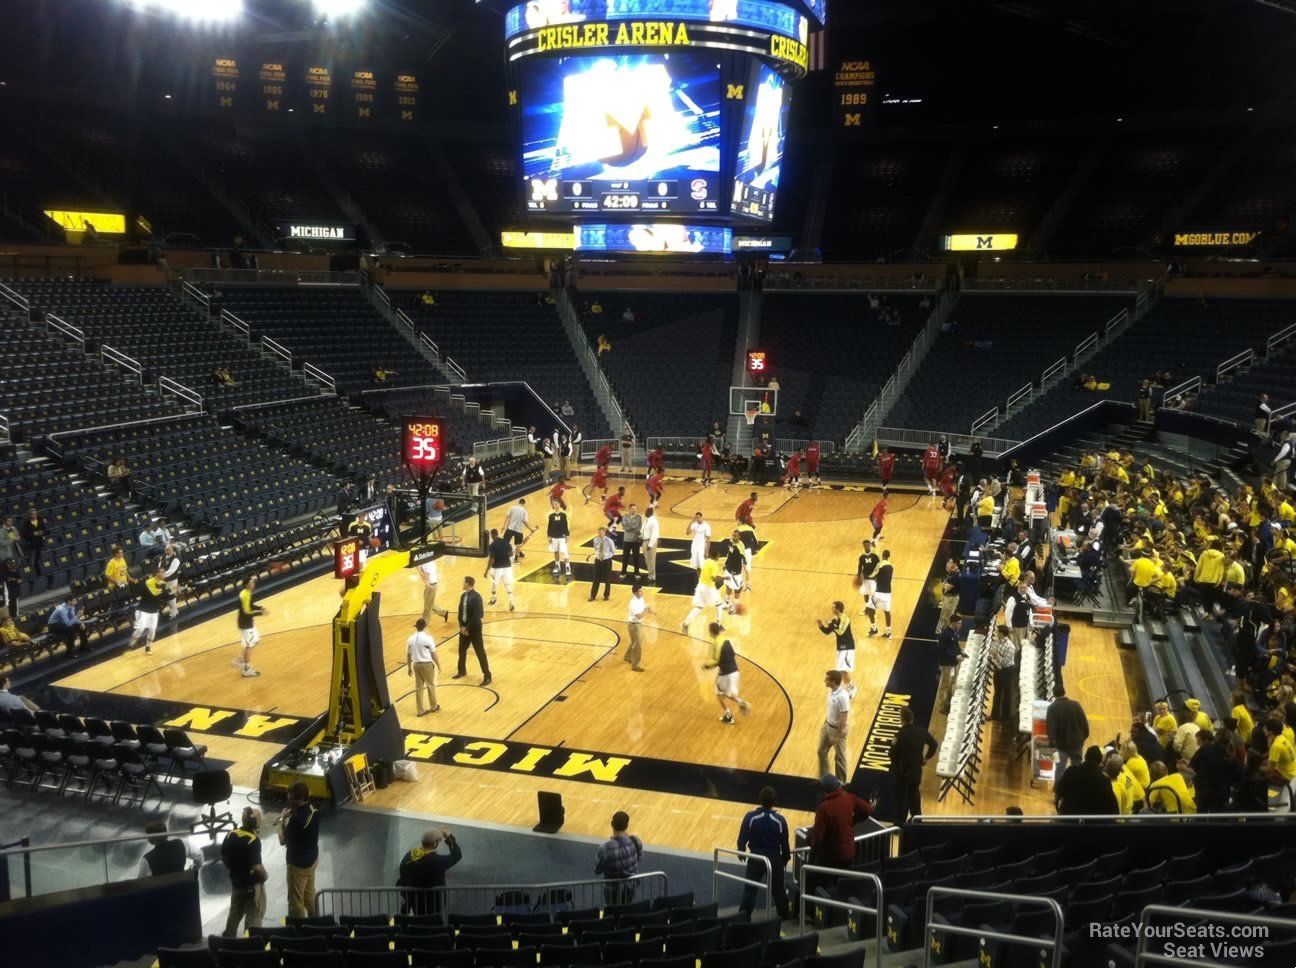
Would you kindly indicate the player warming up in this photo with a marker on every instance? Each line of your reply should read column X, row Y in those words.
column 744, row 513
column 556, row 492
column 599, row 482
column 812, row 464
column 247, row 613
column 707, row 592
column 737, row 558
column 877, row 517
column 792, row 476
column 603, row 457
column 931, row 463
column 153, row 598
column 517, row 527
column 747, row 535
column 881, row 600
column 707, row 456
column 840, row 626
column 656, row 487
column 725, row 661
column 499, row 566
column 612, row 507
column 700, row 535
column 558, row 531
column 886, row 467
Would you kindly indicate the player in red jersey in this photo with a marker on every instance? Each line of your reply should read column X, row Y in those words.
column 931, row 462
column 656, row 487
column 792, row 475
column 556, row 492
column 878, row 516
column 612, row 506
column 603, row 457
column 812, row 463
column 886, row 466
column 948, row 486
column 599, row 482
column 656, row 461
column 706, row 454
column 744, row 513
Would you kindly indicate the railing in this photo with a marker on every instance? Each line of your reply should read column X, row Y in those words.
column 1072, row 820
column 381, row 294
column 230, row 319
column 74, row 333
column 1117, row 321
column 14, row 297
column 985, row 420
column 196, row 294
column 516, row 445
column 873, row 845
column 742, row 857
column 1141, row 305
column 51, row 868
column 1257, row 928
column 167, row 385
column 1245, row 358
column 402, row 317
column 904, row 437
column 1054, row 370
column 112, row 355
column 480, row 898
column 1050, row 285
column 576, row 336
column 875, row 912
column 1279, row 338
column 787, row 445
column 1025, row 393
column 313, row 372
column 1284, row 411
column 855, row 439
column 274, row 277
column 456, row 371
column 56, row 444
column 990, row 934
column 1192, row 385
column 782, row 280
column 274, row 346
column 4, row 429
column 1086, row 344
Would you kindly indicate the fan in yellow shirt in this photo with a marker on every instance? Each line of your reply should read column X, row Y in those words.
column 1164, row 722
column 1010, row 570
column 1202, row 720
column 1169, row 793
column 1143, row 571
column 1129, row 795
column 1242, row 713
column 1282, row 754
column 1210, row 565
column 1135, row 765
column 1234, row 571
column 117, row 571
column 1286, row 512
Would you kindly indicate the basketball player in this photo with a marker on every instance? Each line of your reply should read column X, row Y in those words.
column 429, row 572
column 556, row 492
column 558, row 532
column 747, row 535
column 839, row 625
column 499, row 566
column 707, row 455
column 737, row 559
column 949, row 478
column 247, row 613
column 931, row 462
column 700, row 533
column 812, row 464
column 656, row 461
column 602, row 458
column 153, row 597
column 881, row 601
column 877, row 517
column 612, row 507
column 517, row 521
column 865, row 572
column 886, row 466
column 744, row 513
column 707, row 592
column 793, row 473
column 599, row 482
column 725, row 662
column 655, row 485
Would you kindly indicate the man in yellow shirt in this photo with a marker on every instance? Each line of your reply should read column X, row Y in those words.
column 1143, row 572
column 1242, row 713
column 1210, row 572
column 1287, row 513
column 117, row 571
column 1169, row 792
column 1282, row 754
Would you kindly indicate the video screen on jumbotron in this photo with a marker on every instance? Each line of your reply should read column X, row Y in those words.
column 760, row 145
column 622, row 133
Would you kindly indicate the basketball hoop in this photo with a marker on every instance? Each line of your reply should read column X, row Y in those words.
column 751, row 413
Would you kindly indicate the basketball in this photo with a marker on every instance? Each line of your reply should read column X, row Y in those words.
column 375, row 542
column 438, row 504
column 739, row 608
column 856, row 582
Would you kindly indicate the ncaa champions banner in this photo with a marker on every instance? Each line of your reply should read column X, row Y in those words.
column 854, row 94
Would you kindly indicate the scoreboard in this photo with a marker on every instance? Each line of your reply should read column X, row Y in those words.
column 422, row 444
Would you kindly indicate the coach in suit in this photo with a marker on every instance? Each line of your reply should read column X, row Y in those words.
column 471, row 612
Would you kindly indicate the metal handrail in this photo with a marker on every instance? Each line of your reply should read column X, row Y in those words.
column 1084, row 345
column 1283, row 411
column 827, row 902
column 110, row 354
column 1142, row 956
column 229, row 318
column 274, row 346
column 1052, row 371
column 421, row 386
column 378, row 291
column 1024, row 393
column 360, row 900
column 717, row 875
column 1071, row 819
column 1245, row 358
column 66, row 328
column 802, row 854
column 1116, row 321
column 455, row 369
column 403, row 317
column 195, row 293
column 1055, row 946
column 515, row 445
column 175, row 388
column 921, row 438
column 4, row 429
column 1278, row 338
column 77, row 844
column 19, row 300
column 1188, row 386
column 985, row 419
column 275, row 403
column 315, row 373
column 282, row 277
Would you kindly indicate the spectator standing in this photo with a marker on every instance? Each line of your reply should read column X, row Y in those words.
column 119, row 475
column 169, row 855
column 10, row 583
column 9, row 539
column 423, row 869
column 949, row 593
column 651, row 538
column 1217, row 772
column 171, row 564
column 241, row 853
column 832, row 838
column 1262, row 413
column 65, row 625
column 632, row 523
column 618, row 859
column 764, row 832
column 475, row 477
column 604, row 552
column 627, row 450
column 949, row 653
column 911, row 750
column 1004, row 659
column 1068, row 729
column 1084, row 788
column 32, row 532
column 299, row 834
column 836, row 726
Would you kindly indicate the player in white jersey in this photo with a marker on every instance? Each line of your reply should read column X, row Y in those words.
column 517, row 527
column 700, row 533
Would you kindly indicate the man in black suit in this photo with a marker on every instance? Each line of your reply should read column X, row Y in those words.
column 471, row 612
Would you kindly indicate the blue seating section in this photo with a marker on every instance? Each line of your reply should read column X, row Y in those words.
column 885, row 190
column 1256, row 192
column 1008, row 187
column 671, row 365
column 994, row 344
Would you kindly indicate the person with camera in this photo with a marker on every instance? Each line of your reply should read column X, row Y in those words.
column 423, row 868
column 241, row 854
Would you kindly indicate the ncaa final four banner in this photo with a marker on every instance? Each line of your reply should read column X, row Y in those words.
column 854, row 93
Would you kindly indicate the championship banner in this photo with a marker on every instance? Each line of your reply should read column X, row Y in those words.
column 854, row 93
column 364, row 91
column 319, row 85
column 274, row 83
column 225, row 75
column 407, row 90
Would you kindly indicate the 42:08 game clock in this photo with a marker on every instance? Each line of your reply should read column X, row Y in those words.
column 422, row 443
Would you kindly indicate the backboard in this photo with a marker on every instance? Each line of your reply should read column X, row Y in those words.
column 458, row 526
column 761, row 399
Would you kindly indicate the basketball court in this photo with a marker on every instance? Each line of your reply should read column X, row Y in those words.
column 566, row 714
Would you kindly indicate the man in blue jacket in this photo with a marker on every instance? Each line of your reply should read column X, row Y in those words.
column 764, row 831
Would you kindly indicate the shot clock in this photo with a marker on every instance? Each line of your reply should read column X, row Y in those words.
column 757, row 363
column 422, row 444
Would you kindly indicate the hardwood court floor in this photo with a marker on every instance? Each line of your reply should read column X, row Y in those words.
column 560, row 682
